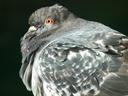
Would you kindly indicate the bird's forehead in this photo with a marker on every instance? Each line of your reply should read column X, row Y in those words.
column 38, row 15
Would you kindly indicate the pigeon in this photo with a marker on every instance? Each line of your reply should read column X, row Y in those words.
column 64, row 55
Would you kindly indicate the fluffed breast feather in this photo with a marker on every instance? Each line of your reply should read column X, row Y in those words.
column 84, row 65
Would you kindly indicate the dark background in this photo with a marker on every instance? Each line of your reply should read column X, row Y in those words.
column 13, row 24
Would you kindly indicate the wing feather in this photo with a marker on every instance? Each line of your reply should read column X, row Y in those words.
column 75, row 68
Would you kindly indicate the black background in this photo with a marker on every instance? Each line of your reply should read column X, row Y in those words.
column 13, row 24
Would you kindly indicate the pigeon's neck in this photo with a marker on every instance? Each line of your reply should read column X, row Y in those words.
column 28, row 47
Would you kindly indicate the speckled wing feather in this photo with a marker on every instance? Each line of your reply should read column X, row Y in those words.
column 83, row 64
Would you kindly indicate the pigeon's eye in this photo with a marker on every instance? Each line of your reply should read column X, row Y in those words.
column 48, row 21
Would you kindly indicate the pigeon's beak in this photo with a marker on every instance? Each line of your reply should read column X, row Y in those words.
column 30, row 32
column 32, row 28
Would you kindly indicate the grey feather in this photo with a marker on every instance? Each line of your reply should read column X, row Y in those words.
column 75, row 58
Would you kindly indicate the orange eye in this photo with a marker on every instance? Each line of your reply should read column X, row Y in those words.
column 48, row 21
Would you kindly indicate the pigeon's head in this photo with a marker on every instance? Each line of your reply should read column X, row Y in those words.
column 48, row 19
column 44, row 22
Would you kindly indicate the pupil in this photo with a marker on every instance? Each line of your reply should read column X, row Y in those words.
column 48, row 21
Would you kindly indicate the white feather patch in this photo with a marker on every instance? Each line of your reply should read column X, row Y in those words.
column 71, row 55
